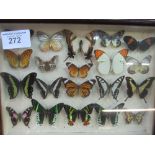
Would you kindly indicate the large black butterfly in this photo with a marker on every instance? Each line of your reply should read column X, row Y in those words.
column 83, row 114
column 14, row 84
column 142, row 88
column 108, row 115
column 15, row 117
column 143, row 45
column 50, row 113
column 53, row 88
column 105, row 88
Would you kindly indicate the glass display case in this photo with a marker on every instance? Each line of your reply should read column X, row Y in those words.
column 77, row 77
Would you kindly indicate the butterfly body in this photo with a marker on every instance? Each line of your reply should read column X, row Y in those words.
column 83, row 114
column 16, row 60
column 42, row 113
column 73, row 89
column 75, row 71
column 103, row 116
column 15, row 117
column 14, row 85
column 105, row 88
column 106, row 64
column 143, row 45
column 136, row 117
column 46, row 89
column 141, row 89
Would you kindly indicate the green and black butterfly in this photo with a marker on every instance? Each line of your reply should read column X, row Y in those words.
column 110, row 115
column 14, row 84
column 83, row 114
column 50, row 113
column 142, row 89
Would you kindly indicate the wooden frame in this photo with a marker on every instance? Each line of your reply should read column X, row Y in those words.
column 132, row 22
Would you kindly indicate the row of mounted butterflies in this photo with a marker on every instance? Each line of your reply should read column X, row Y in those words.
column 74, row 89
column 105, row 62
column 72, row 113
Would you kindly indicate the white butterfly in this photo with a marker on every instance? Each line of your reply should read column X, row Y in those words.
column 106, row 64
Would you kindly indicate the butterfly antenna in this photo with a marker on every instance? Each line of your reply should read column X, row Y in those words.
column 145, row 100
column 126, row 99
column 66, row 58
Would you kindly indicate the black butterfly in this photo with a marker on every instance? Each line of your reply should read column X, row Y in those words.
column 14, row 84
column 53, row 88
column 105, row 88
column 25, row 116
column 142, row 88
column 83, row 114
column 103, row 115
column 143, row 45
column 69, row 35
column 50, row 113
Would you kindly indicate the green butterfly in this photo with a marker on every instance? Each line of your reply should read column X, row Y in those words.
column 42, row 112
column 14, row 84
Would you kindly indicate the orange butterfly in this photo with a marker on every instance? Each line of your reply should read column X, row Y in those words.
column 16, row 60
column 83, row 89
column 75, row 71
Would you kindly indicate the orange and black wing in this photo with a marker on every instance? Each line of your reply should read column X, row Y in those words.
column 83, row 71
column 71, row 87
column 84, row 89
column 25, row 58
column 73, row 69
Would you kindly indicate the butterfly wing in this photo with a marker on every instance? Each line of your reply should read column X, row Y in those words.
column 52, row 113
column 146, row 43
column 13, row 84
column 144, row 86
column 85, row 114
column 116, row 42
column 131, row 86
column 83, row 71
column 40, row 111
column 84, row 89
column 71, row 87
column 43, row 88
column 27, row 84
column 131, row 42
column 139, row 117
column 114, row 115
column 25, row 58
column 52, row 63
column 26, row 116
column 115, row 87
column 73, row 69
column 72, row 114
column 55, row 86
column 104, row 63
column 129, row 117
column 12, row 58
column 119, row 61
column 13, row 115
column 105, row 39
column 103, row 86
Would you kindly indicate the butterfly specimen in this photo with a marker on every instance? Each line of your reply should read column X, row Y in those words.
column 47, row 42
column 83, row 114
column 136, row 117
column 135, row 66
column 116, row 64
column 69, row 35
column 15, row 117
column 105, row 88
column 112, row 116
column 141, row 88
column 16, row 60
column 143, row 45
column 46, row 66
column 14, row 84
column 75, row 71
column 73, row 89
column 51, row 113
column 46, row 89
